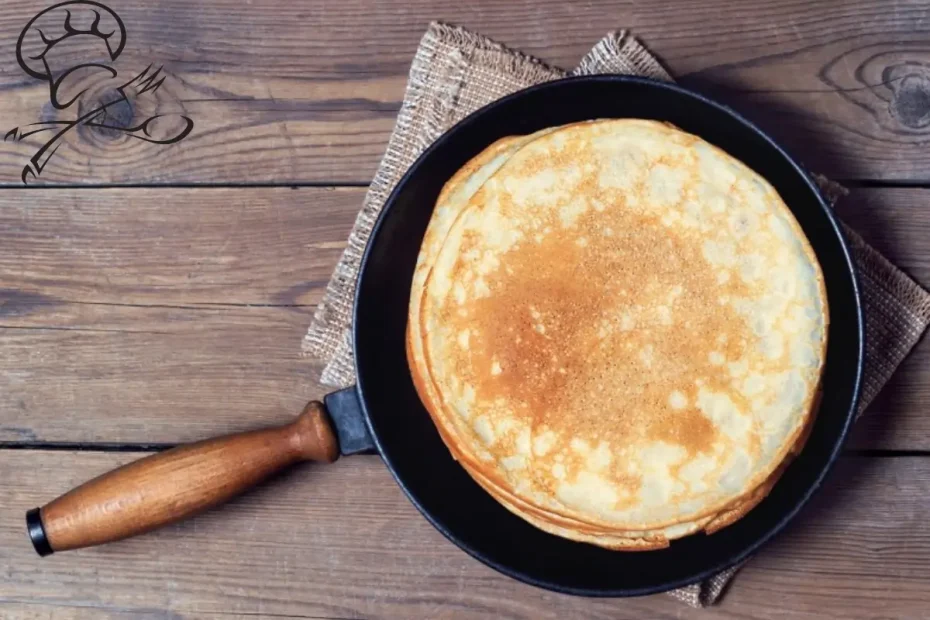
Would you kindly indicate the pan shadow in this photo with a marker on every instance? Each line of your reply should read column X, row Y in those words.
column 805, row 136
column 836, row 509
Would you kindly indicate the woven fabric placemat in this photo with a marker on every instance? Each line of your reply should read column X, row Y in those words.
column 455, row 72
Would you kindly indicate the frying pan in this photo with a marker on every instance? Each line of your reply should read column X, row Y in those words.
column 382, row 413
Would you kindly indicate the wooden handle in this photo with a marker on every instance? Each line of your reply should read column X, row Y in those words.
column 169, row 486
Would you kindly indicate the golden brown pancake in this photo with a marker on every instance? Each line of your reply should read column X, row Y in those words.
column 618, row 330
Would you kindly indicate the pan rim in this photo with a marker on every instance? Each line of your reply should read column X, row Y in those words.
column 845, row 255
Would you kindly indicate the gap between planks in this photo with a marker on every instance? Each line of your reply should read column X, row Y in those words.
column 852, row 183
column 104, row 446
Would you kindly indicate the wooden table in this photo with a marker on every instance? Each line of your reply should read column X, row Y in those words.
column 153, row 294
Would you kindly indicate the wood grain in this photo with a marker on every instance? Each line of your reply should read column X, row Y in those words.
column 188, row 373
column 261, row 246
column 169, row 246
column 896, row 222
column 105, row 373
column 341, row 541
column 308, row 92
column 187, row 306
column 163, row 315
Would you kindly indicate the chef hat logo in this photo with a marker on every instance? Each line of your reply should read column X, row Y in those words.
column 74, row 46
column 66, row 37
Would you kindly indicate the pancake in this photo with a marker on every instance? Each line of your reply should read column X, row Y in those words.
column 637, row 540
column 618, row 330
column 461, row 187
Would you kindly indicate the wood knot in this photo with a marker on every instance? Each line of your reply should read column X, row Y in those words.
column 117, row 114
column 910, row 87
column 893, row 85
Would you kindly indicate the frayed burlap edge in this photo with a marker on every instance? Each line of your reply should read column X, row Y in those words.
column 897, row 312
column 328, row 334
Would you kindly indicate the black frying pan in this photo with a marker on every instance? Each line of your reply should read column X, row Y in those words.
column 384, row 413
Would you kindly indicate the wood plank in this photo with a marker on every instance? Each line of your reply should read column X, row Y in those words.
column 896, row 222
column 342, row 541
column 289, row 92
column 129, row 374
column 31, row 611
column 170, row 246
column 186, row 375
column 129, row 299
column 266, row 245
column 186, row 307
column 71, row 372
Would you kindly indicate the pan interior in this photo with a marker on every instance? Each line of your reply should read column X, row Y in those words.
column 406, row 436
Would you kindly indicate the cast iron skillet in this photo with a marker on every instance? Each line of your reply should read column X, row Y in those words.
column 400, row 429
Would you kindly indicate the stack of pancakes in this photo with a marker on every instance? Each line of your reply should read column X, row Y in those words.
column 618, row 330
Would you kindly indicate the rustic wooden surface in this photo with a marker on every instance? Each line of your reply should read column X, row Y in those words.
column 290, row 550
column 224, row 281
column 137, row 317
column 297, row 92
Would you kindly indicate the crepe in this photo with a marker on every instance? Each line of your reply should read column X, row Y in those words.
column 618, row 330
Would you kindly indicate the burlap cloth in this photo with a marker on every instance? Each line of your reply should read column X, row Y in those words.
column 455, row 72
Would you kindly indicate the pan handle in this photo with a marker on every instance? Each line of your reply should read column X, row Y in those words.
column 181, row 482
